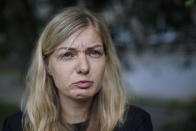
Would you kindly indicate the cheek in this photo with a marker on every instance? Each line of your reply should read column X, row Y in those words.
column 98, row 77
column 98, row 71
column 61, row 76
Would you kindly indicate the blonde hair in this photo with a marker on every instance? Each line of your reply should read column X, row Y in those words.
column 41, row 108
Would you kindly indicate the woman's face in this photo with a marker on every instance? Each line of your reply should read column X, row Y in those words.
column 77, row 65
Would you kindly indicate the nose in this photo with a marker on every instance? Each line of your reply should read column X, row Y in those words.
column 83, row 65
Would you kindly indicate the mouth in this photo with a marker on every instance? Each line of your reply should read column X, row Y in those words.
column 83, row 84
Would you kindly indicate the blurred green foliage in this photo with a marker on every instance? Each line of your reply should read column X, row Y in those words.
column 6, row 110
column 188, row 123
column 181, row 115
column 190, row 3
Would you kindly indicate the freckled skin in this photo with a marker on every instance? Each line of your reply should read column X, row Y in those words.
column 67, row 70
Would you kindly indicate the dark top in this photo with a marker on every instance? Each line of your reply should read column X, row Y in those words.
column 136, row 120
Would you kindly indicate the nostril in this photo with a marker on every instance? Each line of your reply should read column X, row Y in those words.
column 83, row 70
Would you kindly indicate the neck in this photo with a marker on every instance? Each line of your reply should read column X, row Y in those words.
column 74, row 111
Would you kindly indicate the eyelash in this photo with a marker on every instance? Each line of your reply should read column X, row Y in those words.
column 95, row 53
column 92, row 53
column 68, row 55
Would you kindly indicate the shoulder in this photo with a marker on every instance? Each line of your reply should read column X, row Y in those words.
column 136, row 119
column 136, row 113
column 13, row 122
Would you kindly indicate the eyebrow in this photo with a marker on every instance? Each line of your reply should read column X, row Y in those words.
column 74, row 49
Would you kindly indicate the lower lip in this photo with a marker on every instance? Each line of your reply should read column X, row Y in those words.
column 83, row 84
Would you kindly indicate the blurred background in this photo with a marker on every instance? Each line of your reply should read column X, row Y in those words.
column 155, row 41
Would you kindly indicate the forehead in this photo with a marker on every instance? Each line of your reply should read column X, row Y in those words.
column 82, row 39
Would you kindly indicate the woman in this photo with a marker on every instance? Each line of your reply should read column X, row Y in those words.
column 74, row 82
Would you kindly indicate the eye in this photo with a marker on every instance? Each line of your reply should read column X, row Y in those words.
column 67, row 55
column 95, row 53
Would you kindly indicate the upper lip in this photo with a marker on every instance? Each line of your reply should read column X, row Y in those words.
column 83, row 81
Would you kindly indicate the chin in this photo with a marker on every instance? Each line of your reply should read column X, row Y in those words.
column 85, row 94
column 82, row 96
